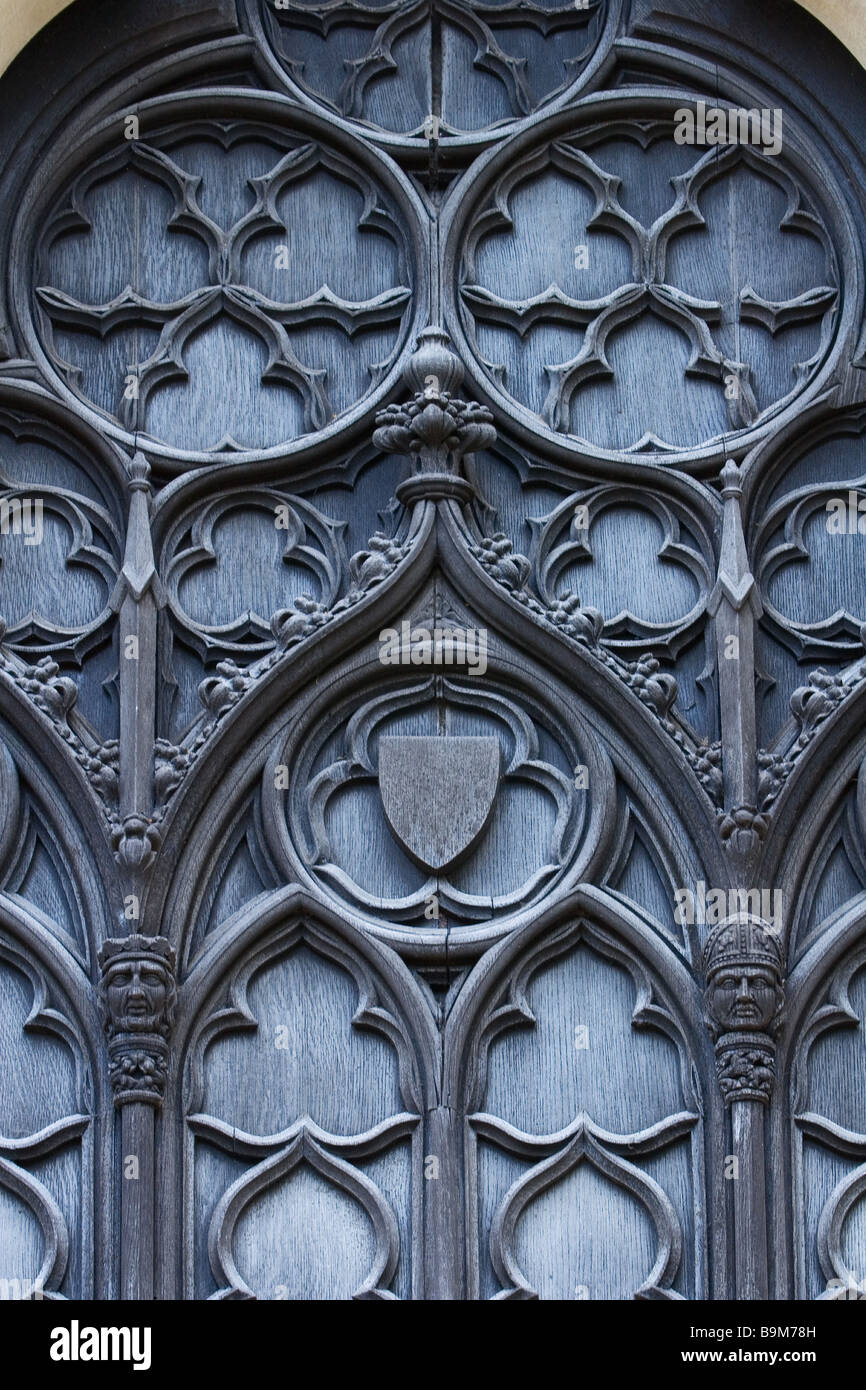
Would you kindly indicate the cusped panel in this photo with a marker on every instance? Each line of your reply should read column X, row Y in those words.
column 828, row 1133
column 476, row 801
column 187, row 251
column 583, row 1136
column 421, row 72
column 686, row 290
column 300, row 1183
column 46, row 1172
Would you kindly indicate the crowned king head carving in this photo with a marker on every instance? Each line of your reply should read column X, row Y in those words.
column 744, row 969
column 138, row 985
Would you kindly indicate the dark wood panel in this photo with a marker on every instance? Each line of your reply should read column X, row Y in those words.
column 432, row 675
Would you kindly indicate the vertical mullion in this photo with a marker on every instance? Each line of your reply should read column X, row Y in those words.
column 138, row 598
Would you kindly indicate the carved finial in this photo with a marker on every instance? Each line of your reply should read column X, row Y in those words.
column 732, row 479
column 138, row 574
column 138, row 993
column 139, row 474
column 734, row 605
column 433, row 363
column 435, row 428
column 734, row 581
column 135, row 842
column 744, row 998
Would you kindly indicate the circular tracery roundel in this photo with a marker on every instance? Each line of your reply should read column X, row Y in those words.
column 679, row 295
column 196, row 251
column 435, row 70
column 467, row 795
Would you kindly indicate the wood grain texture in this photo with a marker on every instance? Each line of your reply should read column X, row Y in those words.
column 322, row 325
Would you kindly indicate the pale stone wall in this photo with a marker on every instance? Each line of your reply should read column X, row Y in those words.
column 21, row 19
column 847, row 19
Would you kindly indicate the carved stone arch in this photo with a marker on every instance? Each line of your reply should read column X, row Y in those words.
column 830, row 761
column 810, row 650
column 465, row 209
column 363, row 703
column 271, row 755
column 666, row 999
column 23, row 26
column 823, row 958
column 247, row 725
column 63, row 491
column 599, row 22
column 764, row 469
column 241, row 278
column 237, row 834
column 35, row 411
column 669, row 749
column 555, row 551
column 241, row 705
column 55, row 961
column 823, row 875
column 450, row 543
column 369, row 173
column 641, row 841
column 829, row 880
column 586, row 909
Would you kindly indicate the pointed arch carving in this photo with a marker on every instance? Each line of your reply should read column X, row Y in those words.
column 60, row 1016
column 387, row 1004
column 494, row 1001
column 827, row 1014
column 296, row 350
column 593, row 748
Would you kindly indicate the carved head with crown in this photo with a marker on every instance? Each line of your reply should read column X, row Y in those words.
column 138, row 984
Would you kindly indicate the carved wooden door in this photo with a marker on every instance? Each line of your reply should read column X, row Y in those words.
column 432, row 677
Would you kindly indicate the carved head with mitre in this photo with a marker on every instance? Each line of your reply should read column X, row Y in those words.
column 744, row 968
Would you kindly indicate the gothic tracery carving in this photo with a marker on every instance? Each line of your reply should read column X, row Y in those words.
column 542, row 396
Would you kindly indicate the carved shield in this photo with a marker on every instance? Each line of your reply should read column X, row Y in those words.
column 438, row 794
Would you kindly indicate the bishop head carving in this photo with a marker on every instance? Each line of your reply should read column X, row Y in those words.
column 744, row 969
column 744, row 999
